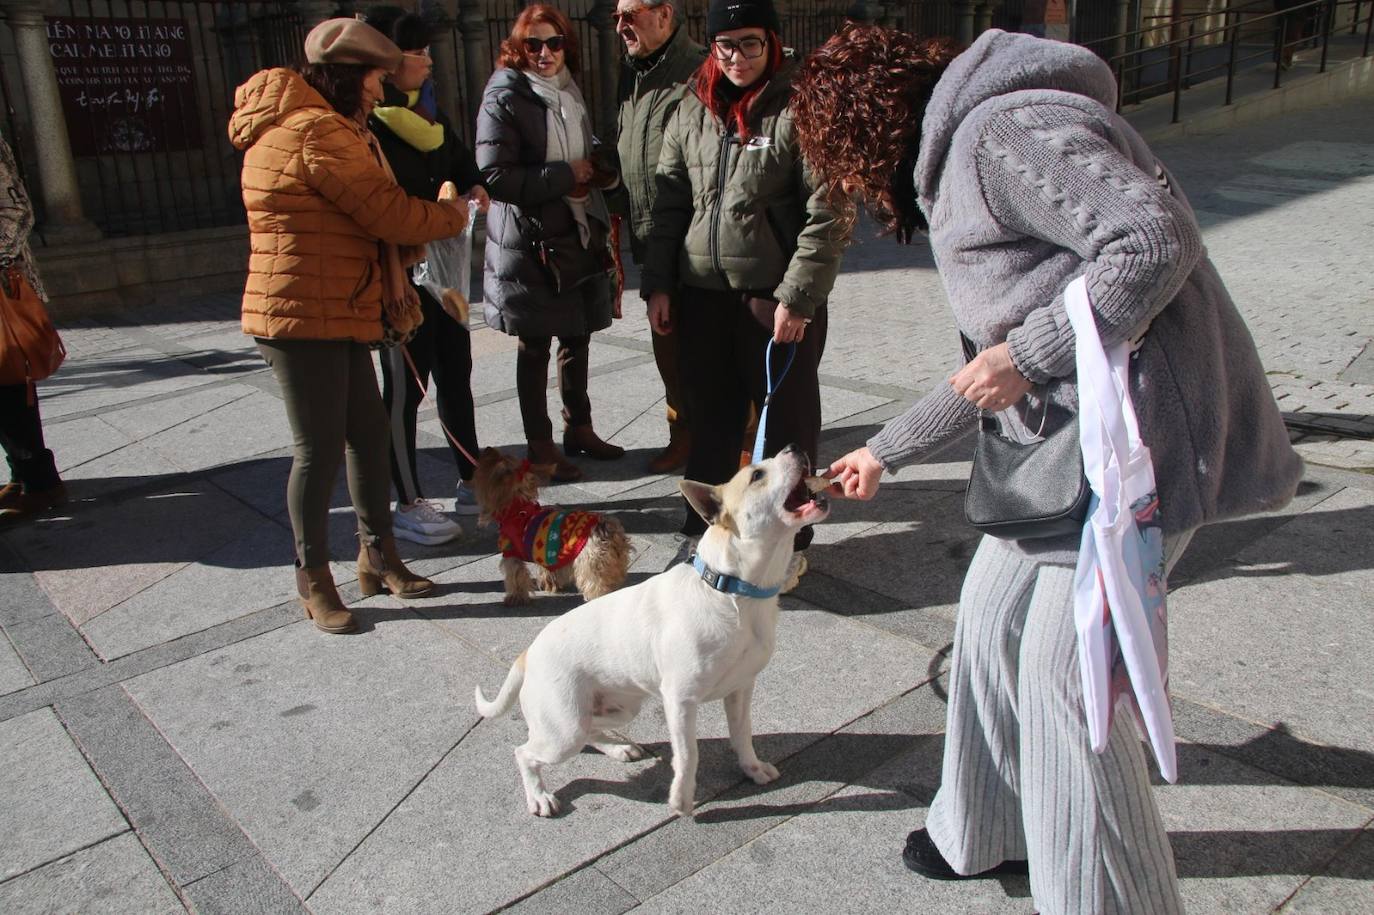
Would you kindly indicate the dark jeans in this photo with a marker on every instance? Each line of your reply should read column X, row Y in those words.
column 668, row 358
column 335, row 411
column 532, row 382
column 723, row 348
column 442, row 347
column 21, row 435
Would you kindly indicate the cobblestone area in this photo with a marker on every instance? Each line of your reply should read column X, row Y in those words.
column 174, row 736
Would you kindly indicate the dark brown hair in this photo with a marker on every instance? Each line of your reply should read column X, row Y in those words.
column 513, row 53
column 340, row 84
column 857, row 103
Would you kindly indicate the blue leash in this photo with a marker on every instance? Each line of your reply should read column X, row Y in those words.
column 762, row 434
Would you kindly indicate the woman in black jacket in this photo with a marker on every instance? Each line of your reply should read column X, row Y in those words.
column 424, row 152
column 549, row 270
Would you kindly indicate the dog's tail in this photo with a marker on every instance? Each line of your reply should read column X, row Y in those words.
column 509, row 690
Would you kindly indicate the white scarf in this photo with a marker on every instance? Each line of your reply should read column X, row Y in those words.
column 570, row 132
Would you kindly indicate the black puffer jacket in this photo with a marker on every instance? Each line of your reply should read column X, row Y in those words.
column 528, row 208
column 421, row 173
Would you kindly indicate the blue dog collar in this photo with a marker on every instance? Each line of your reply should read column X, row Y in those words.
column 729, row 584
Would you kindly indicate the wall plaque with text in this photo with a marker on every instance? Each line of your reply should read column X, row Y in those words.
column 127, row 85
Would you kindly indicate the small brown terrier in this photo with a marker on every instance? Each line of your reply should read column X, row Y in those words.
column 566, row 547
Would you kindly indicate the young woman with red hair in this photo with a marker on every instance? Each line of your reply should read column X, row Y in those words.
column 548, row 263
column 741, row 227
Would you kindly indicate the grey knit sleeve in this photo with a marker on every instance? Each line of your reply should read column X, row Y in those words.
column 1048, row 171
column 932, row 421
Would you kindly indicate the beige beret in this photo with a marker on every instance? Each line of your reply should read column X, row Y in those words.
column 351, row 41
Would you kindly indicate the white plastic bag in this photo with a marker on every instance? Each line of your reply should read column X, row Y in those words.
column 448, row 262
column 1119, row 584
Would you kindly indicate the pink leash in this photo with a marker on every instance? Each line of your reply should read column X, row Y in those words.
column 424, row 395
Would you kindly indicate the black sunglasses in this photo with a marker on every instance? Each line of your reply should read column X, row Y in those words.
column 554, row 43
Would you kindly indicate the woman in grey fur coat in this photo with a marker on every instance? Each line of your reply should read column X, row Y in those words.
column 1012, row 157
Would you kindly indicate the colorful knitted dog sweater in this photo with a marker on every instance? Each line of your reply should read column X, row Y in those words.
column 551, row 537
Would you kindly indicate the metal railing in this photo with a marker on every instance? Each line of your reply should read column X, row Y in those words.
column 147, row 85
column 1248, row 32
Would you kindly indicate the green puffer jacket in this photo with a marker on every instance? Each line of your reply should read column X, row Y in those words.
column 748, row 218
column 648, row 99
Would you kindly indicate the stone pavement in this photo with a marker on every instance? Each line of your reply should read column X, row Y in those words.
column 173, row 735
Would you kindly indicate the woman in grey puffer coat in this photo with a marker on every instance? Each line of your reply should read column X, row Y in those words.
column 1026, row 179
column 548, row 266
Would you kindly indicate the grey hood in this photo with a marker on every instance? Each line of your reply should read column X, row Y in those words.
column 1000, row 63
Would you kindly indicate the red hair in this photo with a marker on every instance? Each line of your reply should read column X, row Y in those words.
column 858, row 101
column 707, row 83
column 513, row 53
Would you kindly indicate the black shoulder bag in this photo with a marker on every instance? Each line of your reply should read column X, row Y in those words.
column 1026, row 491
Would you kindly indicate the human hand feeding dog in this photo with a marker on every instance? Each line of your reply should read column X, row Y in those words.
column 565, row 547
column 698, row 632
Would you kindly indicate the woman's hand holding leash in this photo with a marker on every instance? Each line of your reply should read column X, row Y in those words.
column 855, row 476
column 788, row 327
column 991, row 381
column 660, row 318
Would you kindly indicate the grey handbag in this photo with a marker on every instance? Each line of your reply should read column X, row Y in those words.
column 1019, row 491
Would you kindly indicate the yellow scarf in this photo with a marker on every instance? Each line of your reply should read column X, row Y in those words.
column 411, row 127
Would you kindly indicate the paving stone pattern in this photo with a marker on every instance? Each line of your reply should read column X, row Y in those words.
column 173, row 735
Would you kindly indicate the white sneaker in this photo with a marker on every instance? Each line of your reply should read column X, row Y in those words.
column 465, row 500
column 422, row 522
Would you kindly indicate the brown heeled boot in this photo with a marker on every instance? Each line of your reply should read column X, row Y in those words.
column 321, row 600
column 583, row 440
column 380, row 569
column 674, row 457
column 546, row 452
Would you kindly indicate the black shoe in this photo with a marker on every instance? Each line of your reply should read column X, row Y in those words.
column 921, row 856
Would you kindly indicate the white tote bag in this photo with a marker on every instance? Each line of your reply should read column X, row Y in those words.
column 1120, row 583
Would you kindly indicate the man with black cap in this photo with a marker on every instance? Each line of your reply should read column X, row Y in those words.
column 660, row 56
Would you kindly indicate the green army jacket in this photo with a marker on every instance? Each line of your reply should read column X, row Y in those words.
column 746, row 216
column 648, row 99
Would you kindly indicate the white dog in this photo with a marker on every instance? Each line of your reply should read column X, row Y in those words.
column 695, row 633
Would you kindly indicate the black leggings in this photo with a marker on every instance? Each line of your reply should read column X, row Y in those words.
column 21, row 435
column 443, row 347
column 723, row 348
column 532, row 383
column 335, row 411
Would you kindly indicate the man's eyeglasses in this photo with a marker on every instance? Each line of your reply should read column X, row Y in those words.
column 628, row 15
column 417, row 55
column 554, row 43
column 751, row 48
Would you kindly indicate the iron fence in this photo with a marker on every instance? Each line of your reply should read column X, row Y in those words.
column 147, row 85
column 147, row 88
column 1226, row 41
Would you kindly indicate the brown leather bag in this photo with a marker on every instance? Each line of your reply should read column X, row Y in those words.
column 30, row 349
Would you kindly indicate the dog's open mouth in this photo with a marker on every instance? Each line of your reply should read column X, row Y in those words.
column 806, row 498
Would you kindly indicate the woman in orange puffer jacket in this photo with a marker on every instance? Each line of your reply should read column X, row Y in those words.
column 330, row 236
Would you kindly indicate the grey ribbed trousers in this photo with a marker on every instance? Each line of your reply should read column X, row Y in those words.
column 1020, row 780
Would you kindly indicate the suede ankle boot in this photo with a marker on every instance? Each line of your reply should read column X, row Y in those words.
column 321, row 601
column 380, row 569
column 584, row 440
column 546, row 452
column 674, row 457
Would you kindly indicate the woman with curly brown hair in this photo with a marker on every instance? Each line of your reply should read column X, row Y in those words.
column 548, row 265
column 1012, row 157
column 740, row 226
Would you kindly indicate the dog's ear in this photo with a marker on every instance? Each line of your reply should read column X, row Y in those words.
column 705, row 500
